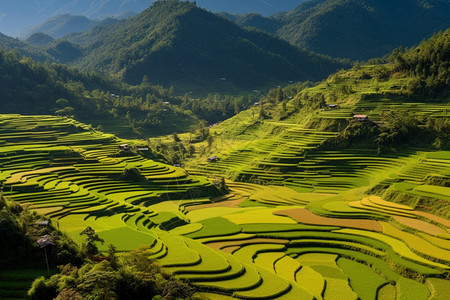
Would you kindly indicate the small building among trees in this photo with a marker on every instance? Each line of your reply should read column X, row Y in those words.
column 212, row 159
column 361, row 118
column 332, row 106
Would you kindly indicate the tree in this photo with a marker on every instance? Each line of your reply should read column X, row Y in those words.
column 177, row 289
column 132, row 174
column 61, row 102
column 69, row 294
column 89, row 247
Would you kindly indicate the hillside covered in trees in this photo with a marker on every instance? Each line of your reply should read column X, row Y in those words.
column 177, row 43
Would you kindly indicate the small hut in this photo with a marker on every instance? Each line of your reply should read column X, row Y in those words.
column 212, row 159
column 361, row 118
column 332, row 106
column 45, row 242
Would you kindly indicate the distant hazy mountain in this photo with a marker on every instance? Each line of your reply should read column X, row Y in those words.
column 356, row 29
column 173, row 42
column 16, row 16
column 61, row 25
column 264, row 7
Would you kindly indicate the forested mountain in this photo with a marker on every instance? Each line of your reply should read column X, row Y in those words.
column 61, row 25
column 356, row 29
column 175, row 43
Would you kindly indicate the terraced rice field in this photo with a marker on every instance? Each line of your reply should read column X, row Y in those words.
column 290, row 152
column 71, row 173
column 257, row 242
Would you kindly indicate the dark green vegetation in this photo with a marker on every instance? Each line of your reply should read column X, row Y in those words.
column 355, row 29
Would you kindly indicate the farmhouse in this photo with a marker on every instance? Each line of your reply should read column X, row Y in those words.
column 42, row 223
column 332, row 106
column 361, row 118
column 45, row 241
column 212, row 159
column 124, row 147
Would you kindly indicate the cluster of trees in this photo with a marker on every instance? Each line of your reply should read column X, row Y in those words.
column 216, row 108
column 429, row 63
column 20, row 228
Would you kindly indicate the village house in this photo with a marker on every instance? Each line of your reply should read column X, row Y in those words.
column 361, row 118
column 332, row 106
column 212, row 159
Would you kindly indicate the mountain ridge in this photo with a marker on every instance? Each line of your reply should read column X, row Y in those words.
column 355, row 29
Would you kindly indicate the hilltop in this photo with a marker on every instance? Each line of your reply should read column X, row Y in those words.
column 355, row 29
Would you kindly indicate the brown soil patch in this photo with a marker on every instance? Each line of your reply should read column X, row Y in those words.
column 419, row 225
column 227, row 203
column 434, row 218
column 230, row 249
column 226, row 244
column 305, row 216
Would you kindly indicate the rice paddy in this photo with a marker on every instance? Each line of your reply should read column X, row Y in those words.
column 313, row 231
